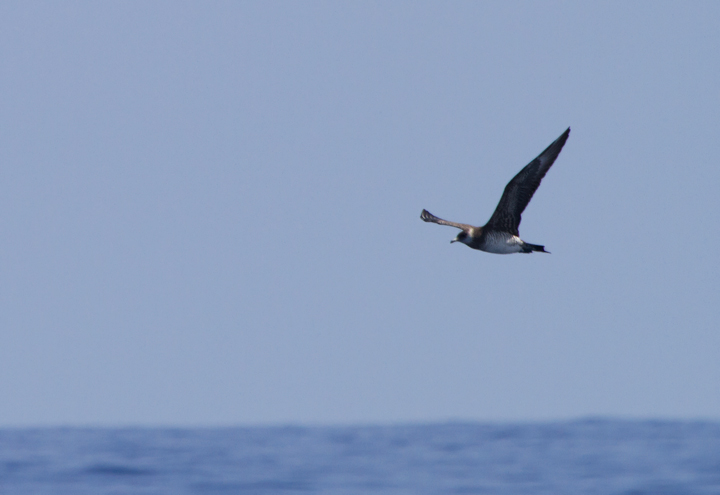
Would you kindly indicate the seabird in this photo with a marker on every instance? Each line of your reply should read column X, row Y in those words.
column 500, row 235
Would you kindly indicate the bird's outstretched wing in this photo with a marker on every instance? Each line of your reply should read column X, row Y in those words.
column 521, row 188
column 429, row 217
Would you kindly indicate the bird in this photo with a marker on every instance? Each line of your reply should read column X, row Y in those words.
column 500, row 234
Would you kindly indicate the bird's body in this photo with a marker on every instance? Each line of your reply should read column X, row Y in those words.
column 500, row 235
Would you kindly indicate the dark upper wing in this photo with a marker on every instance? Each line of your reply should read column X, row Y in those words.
column 429, row 217
column 521, row 188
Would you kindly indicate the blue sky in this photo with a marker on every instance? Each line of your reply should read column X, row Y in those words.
column 210, row 211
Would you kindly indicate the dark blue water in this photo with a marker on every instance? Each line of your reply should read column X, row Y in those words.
column 595, row 457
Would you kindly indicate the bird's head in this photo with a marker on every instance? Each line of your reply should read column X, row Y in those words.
column 461, row 237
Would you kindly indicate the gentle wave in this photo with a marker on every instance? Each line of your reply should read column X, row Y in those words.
column 592, row 456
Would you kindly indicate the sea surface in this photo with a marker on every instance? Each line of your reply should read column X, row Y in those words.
column 576, row 457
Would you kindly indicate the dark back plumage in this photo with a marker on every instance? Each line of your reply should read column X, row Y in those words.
column 521, row 188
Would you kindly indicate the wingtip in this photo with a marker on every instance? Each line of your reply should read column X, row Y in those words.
column 561, row 140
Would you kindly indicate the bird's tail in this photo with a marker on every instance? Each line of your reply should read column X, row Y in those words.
column 529, row 248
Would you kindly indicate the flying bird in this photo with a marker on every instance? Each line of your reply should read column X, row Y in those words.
column 500, row 235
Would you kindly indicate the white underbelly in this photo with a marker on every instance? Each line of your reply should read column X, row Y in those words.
column 503, row 244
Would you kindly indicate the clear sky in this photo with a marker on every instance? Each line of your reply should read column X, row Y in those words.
column 210, row 211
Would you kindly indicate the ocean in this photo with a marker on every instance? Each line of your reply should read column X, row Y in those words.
column 574, row 457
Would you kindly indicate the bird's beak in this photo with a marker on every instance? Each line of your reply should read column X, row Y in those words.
column 454, row 240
